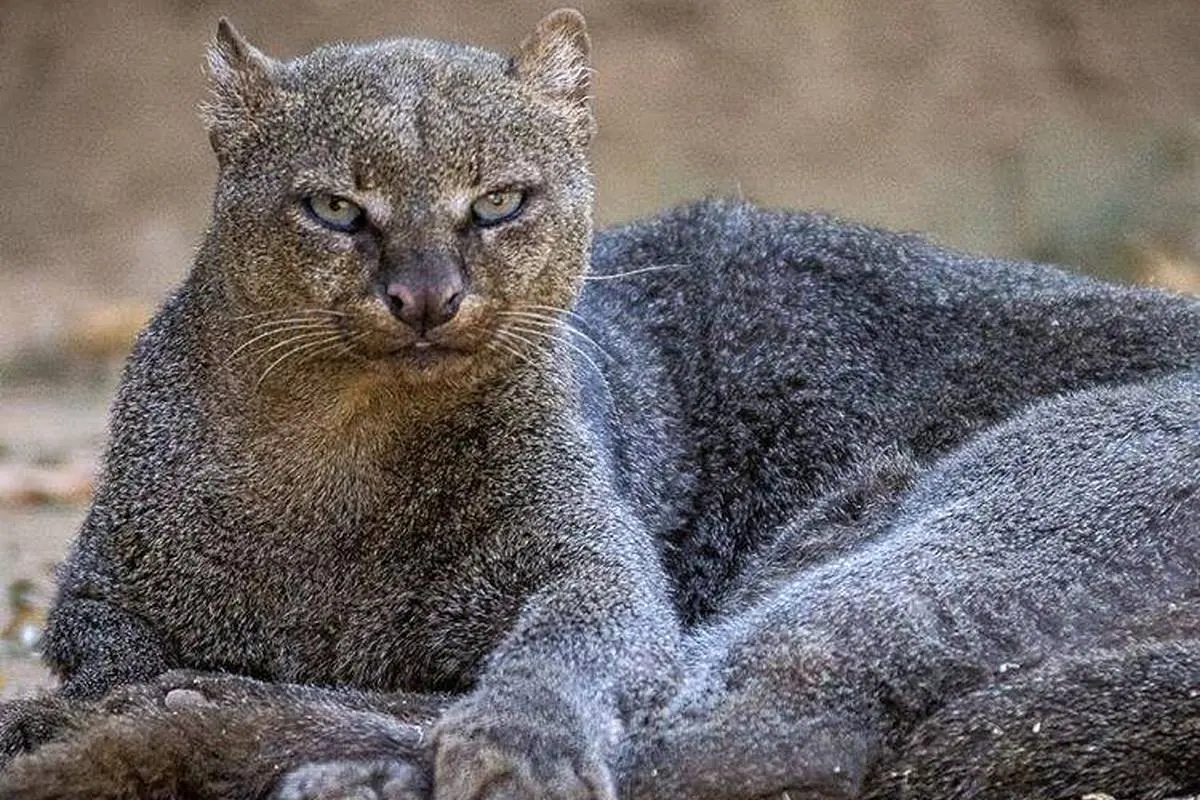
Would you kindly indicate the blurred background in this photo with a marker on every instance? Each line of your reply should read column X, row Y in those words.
column 1061, row 130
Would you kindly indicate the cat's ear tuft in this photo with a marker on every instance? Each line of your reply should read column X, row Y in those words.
column 555, row 61
column 240, row 77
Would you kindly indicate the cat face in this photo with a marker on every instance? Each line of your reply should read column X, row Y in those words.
column 392, row 204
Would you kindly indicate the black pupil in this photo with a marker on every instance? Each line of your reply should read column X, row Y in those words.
column 497, row 199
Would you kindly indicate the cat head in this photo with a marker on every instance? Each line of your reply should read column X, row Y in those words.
column 395, row 204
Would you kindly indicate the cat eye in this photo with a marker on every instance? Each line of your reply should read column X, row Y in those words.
column 336, row 212
column 496, row 207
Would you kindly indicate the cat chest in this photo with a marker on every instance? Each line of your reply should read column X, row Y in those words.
column 382, row 604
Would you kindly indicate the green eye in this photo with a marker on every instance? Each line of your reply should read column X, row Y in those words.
column 336, row 212
column 496, row 207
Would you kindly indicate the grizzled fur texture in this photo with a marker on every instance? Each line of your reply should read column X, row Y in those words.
column 236, row 739
column 739, row 512
column 1118, row 712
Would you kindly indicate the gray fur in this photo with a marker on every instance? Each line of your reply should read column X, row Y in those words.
column 1073, row 519
column 1113, row 717
column 769, row 490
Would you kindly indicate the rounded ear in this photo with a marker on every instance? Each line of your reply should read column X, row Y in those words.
column 554, row 61
column 240, row 77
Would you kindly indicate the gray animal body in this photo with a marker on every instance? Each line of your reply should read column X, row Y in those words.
column 735, row 513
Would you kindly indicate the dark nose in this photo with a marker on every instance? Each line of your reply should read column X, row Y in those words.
column 426, row 297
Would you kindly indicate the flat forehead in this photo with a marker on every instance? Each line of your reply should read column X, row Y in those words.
column 396, row 70
column 407, row 99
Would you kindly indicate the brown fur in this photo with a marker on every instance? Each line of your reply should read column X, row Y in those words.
column 236, row 740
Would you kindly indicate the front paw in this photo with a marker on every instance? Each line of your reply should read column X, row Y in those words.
column 374, row 779
column 495, row 751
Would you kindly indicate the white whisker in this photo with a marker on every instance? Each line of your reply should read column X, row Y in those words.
column 318, row 334
column 510, row 334
column 291, row 328
column 339, row 347
column 508, row 348
column 555, row 310
column 552, row 323
column 320, row 343
column 616, row 275
column 328, row 311
column 279, row 323
column 546, row 335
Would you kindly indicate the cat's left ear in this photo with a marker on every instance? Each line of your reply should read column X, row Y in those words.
column 555, row 62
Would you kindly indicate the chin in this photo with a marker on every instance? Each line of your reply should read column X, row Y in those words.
column 430, row 365
column 423, row 356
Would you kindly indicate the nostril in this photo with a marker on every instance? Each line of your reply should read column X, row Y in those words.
column 404, row 302
column 400, row 295
column 394, row 305
column 423, row 307
column 453, row 302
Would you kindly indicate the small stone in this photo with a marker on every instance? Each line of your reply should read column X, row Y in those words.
column 184, row 698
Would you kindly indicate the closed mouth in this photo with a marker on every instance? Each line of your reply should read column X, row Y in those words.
column 425, row 353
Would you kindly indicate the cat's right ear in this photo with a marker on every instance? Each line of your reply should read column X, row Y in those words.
column 240, row 77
